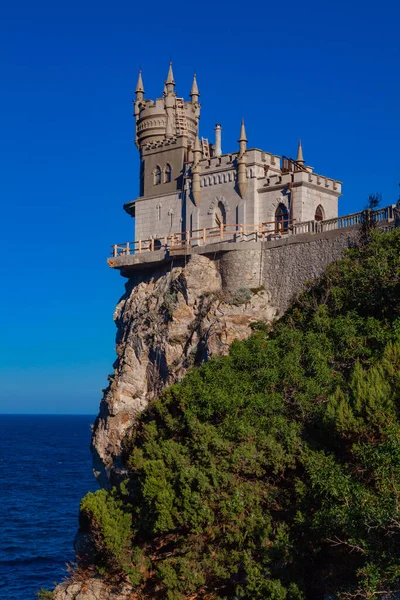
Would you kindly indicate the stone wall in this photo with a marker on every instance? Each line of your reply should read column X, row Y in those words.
column 288, row 265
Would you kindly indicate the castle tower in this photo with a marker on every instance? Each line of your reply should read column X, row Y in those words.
column 165, row 128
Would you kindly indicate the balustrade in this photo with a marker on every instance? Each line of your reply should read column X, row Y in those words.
column 236, row 233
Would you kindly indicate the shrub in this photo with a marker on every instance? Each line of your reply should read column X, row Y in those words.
column 45, row 594
column 274, row 472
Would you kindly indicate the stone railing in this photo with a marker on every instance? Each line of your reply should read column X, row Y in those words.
column 249, row 232
column 379, row 216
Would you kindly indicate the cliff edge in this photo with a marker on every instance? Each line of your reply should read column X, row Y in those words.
column 168, row 322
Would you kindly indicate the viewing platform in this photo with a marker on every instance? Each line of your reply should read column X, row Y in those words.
column 139, row 254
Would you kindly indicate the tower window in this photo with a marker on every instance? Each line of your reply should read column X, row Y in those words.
column 281, row 219
column 157, row 175
column 319, row 213
column 158, row 209
column 167, row 173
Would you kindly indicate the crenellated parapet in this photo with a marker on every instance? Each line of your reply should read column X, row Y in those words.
column 165, row 118
column 327, row 184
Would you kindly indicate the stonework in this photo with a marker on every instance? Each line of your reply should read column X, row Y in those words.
column 187, row 183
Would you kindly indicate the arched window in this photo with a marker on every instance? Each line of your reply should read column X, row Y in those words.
column 158, row 209
column 220, row 214
column 281, row 219
column 319, row 213
column 167, row 173
column 157, row 175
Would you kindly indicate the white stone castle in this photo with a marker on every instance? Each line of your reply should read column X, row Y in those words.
column 188, row 184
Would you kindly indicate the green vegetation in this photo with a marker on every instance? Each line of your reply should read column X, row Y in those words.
column 45, row 594
column 273, row 473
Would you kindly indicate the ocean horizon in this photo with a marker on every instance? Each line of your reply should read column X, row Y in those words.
column 45, row 466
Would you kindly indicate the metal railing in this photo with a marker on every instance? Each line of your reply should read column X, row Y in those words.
column 246, row 232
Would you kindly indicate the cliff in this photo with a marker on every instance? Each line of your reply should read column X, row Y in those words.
column 168, row 322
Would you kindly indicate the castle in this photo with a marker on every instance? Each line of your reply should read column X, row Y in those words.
column 189, row 185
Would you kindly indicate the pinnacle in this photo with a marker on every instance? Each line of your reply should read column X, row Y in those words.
column 300, row 158
column 170, row 78
column 195, row 90
column 139, row 85
column 242, row 137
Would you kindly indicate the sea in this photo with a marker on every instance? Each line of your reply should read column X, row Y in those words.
column 45, row 470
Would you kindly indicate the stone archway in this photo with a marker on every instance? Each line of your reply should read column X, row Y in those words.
column 218, row 200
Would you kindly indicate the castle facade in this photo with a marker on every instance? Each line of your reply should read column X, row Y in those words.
column 187, row 184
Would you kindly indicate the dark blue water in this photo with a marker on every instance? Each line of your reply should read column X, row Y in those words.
column 45, row 469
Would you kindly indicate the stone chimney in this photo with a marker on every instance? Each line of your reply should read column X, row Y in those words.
column 217, row 147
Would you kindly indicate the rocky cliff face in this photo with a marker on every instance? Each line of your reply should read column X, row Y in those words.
column 168, row 322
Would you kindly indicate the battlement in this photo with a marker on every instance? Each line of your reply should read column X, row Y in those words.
column 254, row 156
column 277, row 180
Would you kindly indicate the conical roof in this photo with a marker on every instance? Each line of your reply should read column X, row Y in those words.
column 170, row 78
column 300, row 158
column 195, row 90
column 242, row 137
column 139, row 85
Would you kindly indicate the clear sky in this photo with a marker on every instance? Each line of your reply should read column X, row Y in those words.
column 327, row 72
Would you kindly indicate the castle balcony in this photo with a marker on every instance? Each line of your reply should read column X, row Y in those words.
column 227, row 237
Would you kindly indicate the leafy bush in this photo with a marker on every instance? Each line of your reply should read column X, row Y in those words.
column 45, row 594
column 107, row 518
column 274, row 472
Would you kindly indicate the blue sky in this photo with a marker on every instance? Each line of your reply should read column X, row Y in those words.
column 326, row 72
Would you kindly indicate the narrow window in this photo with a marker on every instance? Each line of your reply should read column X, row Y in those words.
column 158, row 208
column 157, row 175
column 281, row 219
column 167, row 173
column 319, row 213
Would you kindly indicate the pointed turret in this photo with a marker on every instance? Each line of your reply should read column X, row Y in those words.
column 170, row 83
column 300, row 158
column 241, row 161
column 139, row 86
column 194, row 92
column 169, row 103
column 242, row 137
column 137, row 103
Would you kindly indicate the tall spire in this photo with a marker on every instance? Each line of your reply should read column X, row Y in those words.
column 169, row 103
column 139, row 85
column 194, row 92
column 137, row 103
column 242, row 137
column 300, row 158
column 170, row 78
